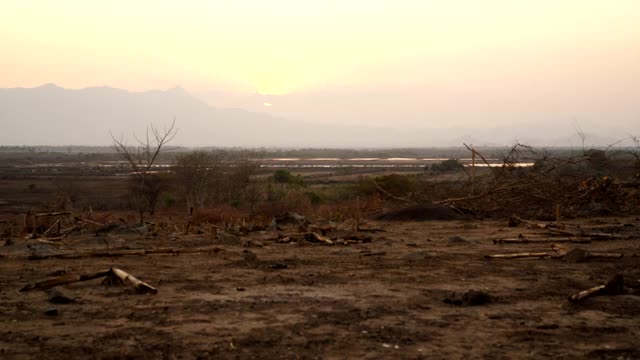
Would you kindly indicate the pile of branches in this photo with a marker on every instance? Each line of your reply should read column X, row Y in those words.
column 594, row 183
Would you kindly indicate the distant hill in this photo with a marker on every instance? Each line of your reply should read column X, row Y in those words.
column 51, row 115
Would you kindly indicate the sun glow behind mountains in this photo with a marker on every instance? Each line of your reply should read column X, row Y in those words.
column 281, row 46
column 374, row 62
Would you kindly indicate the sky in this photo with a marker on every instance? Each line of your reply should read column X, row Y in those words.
column 420, row 63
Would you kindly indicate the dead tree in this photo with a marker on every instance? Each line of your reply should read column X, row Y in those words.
column 141, row 158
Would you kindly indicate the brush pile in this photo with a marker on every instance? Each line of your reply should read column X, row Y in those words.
column 595, row 183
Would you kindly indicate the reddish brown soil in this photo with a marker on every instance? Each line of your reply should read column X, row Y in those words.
column 367, row 300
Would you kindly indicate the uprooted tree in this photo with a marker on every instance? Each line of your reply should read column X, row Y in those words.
column 141, row 157
column 594, row 182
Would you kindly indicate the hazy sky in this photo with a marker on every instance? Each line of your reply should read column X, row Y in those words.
column 413, row 63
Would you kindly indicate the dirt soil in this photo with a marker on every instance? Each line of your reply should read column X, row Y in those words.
column 397, row 296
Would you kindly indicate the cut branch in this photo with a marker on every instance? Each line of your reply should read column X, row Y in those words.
column 140, row 286
column 575, row 240
column 113, row 273
column 57, row 223
column 495, row 174
column 63, row 280
column 390, row 195
column 88, row 221
column 536, row 255
column 53, row 214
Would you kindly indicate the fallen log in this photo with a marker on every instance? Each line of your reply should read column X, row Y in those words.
column 580, row 255
column 601, row 255
column 592, row 235
column 516, row 220
column 141, row 287
column 572, row 234
column 182, row 251
column 62, row 213
column 615, row 286
column 559, row 252
column 50, row 240
column 602, row 235
column 111, row 275
column 574, row 240
column 317, row 238
column 378, row 253
column 117, row 253
column 77, row 218
column 63, row 280
column 295, row 235
column 536, row 255
column 587, row 293
column 370, row 229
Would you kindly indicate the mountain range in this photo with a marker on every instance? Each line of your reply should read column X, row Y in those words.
column 51, row 115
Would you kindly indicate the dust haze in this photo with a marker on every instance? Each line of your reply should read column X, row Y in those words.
column 286, row 179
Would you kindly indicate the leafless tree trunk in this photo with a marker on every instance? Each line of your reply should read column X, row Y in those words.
column 141, row 158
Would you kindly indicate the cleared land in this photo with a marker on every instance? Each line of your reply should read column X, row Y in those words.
column 382, row 298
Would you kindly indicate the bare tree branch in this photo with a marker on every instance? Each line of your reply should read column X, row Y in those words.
column 141, row 158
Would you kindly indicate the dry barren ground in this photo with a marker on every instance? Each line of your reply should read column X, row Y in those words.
column 382, row 299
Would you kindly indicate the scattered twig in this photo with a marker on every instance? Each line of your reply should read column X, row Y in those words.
column 523, row 240
column 536, row 255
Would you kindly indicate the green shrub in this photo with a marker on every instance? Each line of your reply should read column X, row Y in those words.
column 281, row 176
column 450, row 165
column 313, row 197
column 396, row 184
column 364, row 187
column 169, row 201
column 285, row 177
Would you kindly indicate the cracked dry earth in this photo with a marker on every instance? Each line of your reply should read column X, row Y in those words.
column 382, row 299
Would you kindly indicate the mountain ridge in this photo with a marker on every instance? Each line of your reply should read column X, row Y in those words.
column 53, row 115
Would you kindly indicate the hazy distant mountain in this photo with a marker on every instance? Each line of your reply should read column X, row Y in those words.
column 50, row 115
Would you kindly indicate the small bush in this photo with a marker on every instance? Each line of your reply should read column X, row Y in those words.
column 450, row 165
column 169, row 201
column 365, row 187
column 398, row 185
column 313, row 197
column 285, row 177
